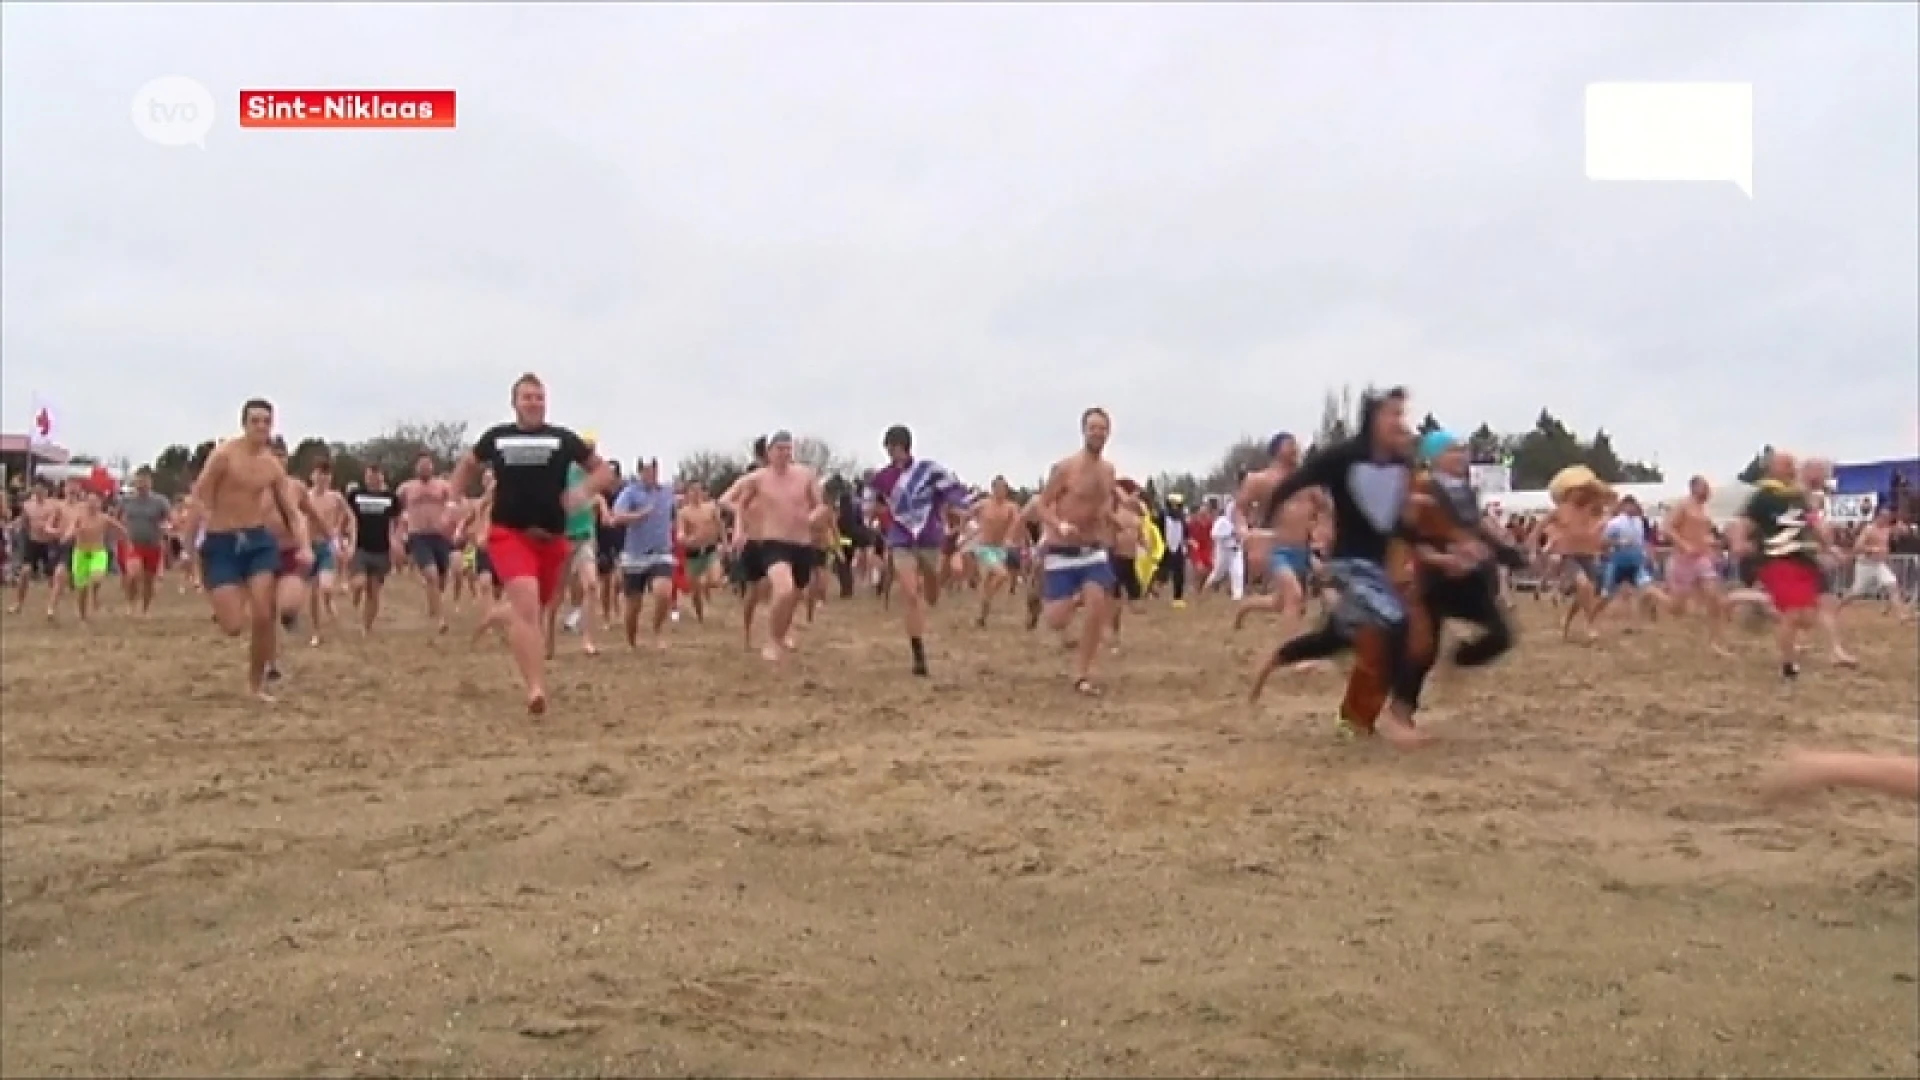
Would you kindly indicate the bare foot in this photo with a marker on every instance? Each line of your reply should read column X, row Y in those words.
column 771, row 652
column 1401, row 735
column 789, row 643
column 537, row 703
column 1845, row 659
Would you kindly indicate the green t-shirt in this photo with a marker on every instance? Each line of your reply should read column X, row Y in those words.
column 579, row 522
column 1778, row 514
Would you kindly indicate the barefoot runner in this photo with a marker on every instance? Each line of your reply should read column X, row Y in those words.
column 1788, row 548
column 239, row 558
column 998, row 517
column 327, row 519
column 424, row 500
column 146, row 514
column 779, row 504
column 700, row 533
column 527, row 542
column 643, row 513
column 1693, row 570
column 1366, row 479
column 1076, row 509
column 373, row 528
column 1277, row 536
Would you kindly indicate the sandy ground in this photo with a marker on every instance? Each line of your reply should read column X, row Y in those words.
column 696, row 866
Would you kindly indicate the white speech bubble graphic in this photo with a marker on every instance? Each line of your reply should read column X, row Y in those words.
column 1700, row 132
column 173, row 111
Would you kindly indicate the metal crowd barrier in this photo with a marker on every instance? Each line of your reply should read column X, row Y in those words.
column 1906, row 570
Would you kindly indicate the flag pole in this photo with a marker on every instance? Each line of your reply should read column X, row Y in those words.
column 33, row 426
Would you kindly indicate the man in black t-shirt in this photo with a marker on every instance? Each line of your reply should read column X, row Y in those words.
column 527, row 541
column 374, row 512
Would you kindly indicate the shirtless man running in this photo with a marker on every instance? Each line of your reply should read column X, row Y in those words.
column 424, row 502
column 1278, row 539
column 87, row 526
column 1076, row 509
column 1576, row 534
column 1872, row 576
column 778, row 504
column 327, row 521
column 40, row 517
column 700, row 533
column 1129, row 517
column 739, row 540
column 1816, row 477
column 239, row 556
column 291, row 589
column 1693, row 568
column 997, row 517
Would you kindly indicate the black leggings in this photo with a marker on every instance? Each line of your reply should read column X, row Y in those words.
column 1472, row 598
column 1174, row 568
column 1329, row 640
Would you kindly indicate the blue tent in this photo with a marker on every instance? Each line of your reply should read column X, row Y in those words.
column 1875, row 477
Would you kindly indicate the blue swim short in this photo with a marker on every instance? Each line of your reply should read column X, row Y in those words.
column 1297, row 561
column 237, row 557
column 1066, row 572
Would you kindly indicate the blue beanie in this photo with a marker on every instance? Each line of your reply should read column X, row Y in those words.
column 1435, row 443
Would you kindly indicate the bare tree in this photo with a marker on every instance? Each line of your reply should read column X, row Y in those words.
column 819, row 455
column 396, row 450
column 1243, row 457
column 712, row 469
column 1185, row 484
column 1337, row 413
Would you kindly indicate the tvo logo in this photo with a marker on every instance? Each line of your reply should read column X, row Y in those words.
column 173, row 111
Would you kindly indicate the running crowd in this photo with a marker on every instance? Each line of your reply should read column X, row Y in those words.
column 554, row 524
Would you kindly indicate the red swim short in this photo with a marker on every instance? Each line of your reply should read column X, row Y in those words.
column 147, row 556
column 515, row 555
column 1792, row 584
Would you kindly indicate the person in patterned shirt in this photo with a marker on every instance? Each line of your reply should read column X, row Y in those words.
column 1781, row 537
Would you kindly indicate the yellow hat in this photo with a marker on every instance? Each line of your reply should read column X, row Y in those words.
column 1575, row 478
column 592, row 437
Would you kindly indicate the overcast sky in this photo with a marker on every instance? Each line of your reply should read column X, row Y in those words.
column 702, row 223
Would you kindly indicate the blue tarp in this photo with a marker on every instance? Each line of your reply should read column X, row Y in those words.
column 1875, row 477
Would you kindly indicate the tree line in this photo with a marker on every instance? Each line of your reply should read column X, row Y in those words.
column 1534, row 455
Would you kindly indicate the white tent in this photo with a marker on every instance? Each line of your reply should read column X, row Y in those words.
column 1728, row 497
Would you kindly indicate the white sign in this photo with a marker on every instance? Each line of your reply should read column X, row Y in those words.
column 1490, row 479
column 1848, row 509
